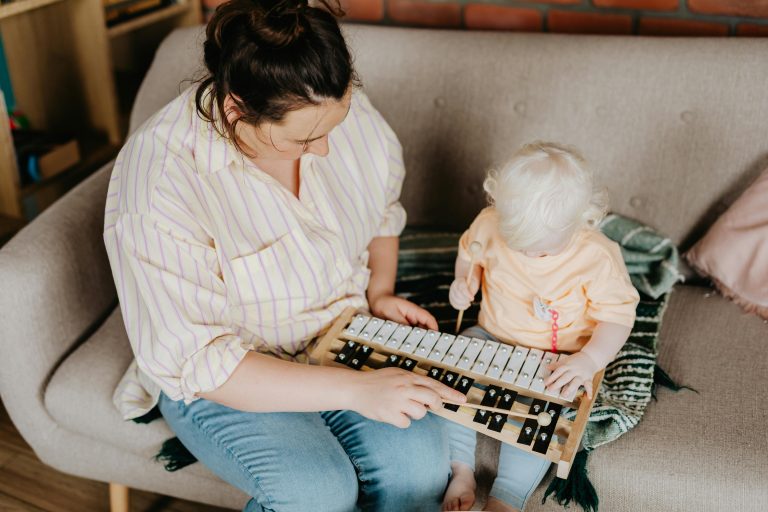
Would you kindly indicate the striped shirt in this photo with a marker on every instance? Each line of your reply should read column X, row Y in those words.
column 212, row 257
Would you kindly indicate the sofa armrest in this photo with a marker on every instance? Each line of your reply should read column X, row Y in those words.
column 56, row 288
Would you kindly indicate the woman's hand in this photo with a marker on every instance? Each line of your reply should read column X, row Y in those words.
column 573, row 371
column 402, row 311
column 395, row 396
column 462, row 294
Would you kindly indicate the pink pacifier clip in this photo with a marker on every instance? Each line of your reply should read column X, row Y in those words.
column 555, row 315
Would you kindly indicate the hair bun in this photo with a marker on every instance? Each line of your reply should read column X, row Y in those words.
column 278, row 23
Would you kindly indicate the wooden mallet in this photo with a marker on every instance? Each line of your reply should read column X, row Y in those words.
column 474, row 251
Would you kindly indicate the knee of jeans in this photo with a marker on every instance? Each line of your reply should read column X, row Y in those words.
column 334, row 489
column 421, row 461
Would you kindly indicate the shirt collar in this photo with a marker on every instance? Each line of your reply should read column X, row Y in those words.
column 213, row 152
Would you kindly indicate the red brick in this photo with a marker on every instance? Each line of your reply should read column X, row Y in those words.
column 650, row 5
column 560, row 2
column 754, row 8
column 363, row 10
column 494, row 17
column 589, row 23
column 357, row 10
column 674, row 27
column 751, row 30
column 431, row 14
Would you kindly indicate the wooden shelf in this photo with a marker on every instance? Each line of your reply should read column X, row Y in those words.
column 67, row 43
column 147, row 19
column 96, row 152
column 21, row 6
column 37, row 197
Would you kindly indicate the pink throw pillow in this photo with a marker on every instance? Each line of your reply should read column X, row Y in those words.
column 734, row 252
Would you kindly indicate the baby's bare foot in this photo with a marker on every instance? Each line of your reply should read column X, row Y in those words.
column 460, row 494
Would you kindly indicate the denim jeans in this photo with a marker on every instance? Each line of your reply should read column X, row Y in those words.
column 328, row 461
column 519, row 472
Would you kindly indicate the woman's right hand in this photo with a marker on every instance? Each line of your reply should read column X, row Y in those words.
column 461, row 294
column 395, row 396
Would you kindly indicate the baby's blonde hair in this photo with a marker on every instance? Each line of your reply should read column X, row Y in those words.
column 545, row 188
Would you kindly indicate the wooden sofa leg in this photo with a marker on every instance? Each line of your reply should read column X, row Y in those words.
column 118, row 498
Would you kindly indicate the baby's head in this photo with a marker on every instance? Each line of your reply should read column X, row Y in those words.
column 543, row 195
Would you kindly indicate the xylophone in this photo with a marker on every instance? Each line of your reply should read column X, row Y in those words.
column 500, row 381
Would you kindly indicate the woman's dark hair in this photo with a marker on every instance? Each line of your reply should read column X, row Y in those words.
column 272, row 57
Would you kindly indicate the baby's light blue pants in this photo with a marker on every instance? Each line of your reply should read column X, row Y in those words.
column 519, row 472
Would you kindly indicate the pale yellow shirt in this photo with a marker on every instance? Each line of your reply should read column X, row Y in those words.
column 586, row 283
column 212, row 257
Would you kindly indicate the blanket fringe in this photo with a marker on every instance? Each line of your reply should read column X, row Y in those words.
column 174, row 455
column 149, row 416
column 577, row 487
column 662, row 378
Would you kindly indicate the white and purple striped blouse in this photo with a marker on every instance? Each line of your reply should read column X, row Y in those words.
column 212, row 257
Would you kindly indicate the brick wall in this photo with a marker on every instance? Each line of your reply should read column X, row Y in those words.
column 643, row 17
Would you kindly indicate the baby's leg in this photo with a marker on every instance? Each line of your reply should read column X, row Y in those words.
column 460, row 494
column 518, row 476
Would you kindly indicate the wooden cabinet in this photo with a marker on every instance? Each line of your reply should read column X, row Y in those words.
column 69, row 73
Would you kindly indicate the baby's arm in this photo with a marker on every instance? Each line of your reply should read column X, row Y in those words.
column 578, row 369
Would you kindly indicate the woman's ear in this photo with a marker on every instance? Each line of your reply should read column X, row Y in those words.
column 230, row 107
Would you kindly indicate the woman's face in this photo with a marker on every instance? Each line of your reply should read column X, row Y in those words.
column 301, row 131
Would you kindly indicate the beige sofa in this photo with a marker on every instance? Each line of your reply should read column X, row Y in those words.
column 675, row 128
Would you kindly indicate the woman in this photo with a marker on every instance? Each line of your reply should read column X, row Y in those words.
column 241, row 220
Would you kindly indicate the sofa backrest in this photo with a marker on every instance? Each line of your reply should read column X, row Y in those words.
column 674, row 127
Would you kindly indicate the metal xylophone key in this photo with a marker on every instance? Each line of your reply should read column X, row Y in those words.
column 507, row 398
column 489, row 400
column 354, row 354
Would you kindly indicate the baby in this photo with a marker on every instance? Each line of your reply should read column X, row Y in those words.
column 551, row 281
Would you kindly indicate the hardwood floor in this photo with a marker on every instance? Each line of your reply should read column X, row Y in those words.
column 26, row 484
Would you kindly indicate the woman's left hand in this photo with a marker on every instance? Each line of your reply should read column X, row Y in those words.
column 573, row 371
column 397, row 309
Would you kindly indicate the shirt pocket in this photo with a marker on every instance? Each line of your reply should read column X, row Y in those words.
column 292, row 271
column 268, row 274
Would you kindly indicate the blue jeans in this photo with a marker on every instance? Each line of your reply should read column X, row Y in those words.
column 328, row 461
column 519, row 472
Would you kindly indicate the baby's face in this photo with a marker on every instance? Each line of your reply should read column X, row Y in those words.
column 550, row 245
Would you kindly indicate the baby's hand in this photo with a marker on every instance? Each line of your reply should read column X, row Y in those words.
column 402, row 311
column 461, row 294
column 572, row 371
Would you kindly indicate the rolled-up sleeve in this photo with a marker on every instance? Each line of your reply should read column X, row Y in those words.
column 174, row 306
column 481, row 231
column 393, row 221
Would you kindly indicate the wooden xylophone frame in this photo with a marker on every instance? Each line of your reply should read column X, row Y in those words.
column 571, row 432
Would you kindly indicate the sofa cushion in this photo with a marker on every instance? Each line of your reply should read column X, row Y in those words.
column 734, row 252
column 79, row 395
